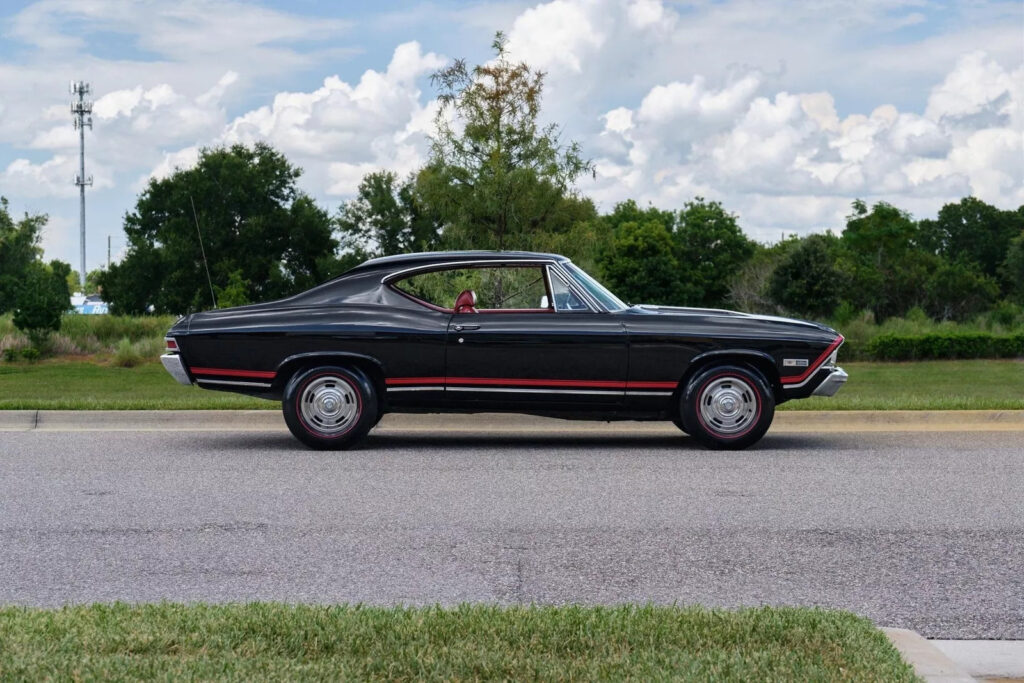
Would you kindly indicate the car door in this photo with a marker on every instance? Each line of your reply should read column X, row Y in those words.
column 526, row 347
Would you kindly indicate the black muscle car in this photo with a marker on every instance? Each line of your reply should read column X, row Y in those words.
column 501, row 331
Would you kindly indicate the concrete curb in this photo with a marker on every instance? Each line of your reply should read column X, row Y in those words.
column 17, row 420
column 271, row 420
column 986, row 658
column 901, row 420
column 928, row 661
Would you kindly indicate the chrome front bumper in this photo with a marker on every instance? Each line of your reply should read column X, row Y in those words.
column 172, row 363
column 833, row 383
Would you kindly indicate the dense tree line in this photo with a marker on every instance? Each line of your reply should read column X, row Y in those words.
column 496, row 178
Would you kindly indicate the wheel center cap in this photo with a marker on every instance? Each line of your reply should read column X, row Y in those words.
column 729, row 404
column 330, row 404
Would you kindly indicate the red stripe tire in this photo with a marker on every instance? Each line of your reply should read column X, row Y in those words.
column 727, row 407
column 330, row 407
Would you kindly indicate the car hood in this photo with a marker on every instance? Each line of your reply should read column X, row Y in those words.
column 710, row 314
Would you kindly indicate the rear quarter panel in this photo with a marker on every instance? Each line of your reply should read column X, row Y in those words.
column 401, row 341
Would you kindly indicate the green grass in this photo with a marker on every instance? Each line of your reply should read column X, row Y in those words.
column 84, row 385
column 926, row 385
column 923, row 385
column 263, row 641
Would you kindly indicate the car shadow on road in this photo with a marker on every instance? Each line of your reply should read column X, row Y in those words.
column 397, row 440
column 449, row 442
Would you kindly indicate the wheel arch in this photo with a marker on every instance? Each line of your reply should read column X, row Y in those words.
column 758, row 361
column 368, row 365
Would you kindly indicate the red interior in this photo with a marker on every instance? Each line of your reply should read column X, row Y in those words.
column 466, row 302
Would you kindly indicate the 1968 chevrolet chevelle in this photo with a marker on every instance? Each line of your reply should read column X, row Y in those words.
column 501, row 331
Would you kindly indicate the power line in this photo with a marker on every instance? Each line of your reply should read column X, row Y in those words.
column 81, row 112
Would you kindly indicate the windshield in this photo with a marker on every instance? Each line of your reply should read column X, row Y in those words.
column 595, row 288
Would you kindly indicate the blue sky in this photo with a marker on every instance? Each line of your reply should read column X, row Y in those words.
column 783, row 111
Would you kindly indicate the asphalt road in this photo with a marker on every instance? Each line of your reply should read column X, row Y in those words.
column 915, row 530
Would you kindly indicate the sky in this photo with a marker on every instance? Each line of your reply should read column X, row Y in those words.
column 783, row 111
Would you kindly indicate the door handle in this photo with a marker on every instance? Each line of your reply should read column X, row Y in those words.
column 460, row 328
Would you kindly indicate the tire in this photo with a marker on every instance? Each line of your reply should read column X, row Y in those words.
column 727, row 407
column 330, row 407
column 677, row 420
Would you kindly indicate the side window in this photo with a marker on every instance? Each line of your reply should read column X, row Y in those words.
column 437, row 287
column 497, row 288
column 511, row 288
column 565, row 299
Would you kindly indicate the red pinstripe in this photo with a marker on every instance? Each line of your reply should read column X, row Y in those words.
column 262, row 374
column 815, row 365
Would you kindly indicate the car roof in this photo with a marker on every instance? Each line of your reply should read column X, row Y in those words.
column 402, row 261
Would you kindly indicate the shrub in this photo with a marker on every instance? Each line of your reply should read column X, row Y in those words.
column 10, row 355
column 31, row 354
column 1005, row 313
column 945, row 346
column 39, row 304
column 126, row 355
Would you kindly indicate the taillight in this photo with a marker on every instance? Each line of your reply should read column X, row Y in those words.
column 171, row 344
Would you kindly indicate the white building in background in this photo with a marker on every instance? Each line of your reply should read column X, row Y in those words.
column 88, row 305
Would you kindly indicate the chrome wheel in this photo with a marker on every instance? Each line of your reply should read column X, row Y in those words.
column 728, row 405
column 329, row 404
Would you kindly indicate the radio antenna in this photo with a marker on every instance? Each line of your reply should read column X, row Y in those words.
column 206, row 265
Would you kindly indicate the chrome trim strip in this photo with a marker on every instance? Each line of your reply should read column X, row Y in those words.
column 434, row 388
column 570, row 282
column 172, row 363
column 451, row 265
column 535, row 391
column 574, row 287
column 234, row 383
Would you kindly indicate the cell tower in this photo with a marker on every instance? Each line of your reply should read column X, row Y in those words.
column 81, row 111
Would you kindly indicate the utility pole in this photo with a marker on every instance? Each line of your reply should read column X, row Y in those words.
column 81, row 111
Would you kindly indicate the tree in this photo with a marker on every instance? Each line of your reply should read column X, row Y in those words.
column 41, row 300
column 386, row 217
column 19, row 249
column 694, row 266
column 61, row 271
column 956, row 291
column 711, row 249
column 235, row 293
column 641, row 264
column 886, row 267
column 629, row 212
column 807, row 281
column 496, row 177
column 973, row 233
column 91, row 281
column 1012, row 269
column 748, row 287
column 253, row 219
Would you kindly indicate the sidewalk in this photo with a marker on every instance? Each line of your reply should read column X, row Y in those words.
column 960, row 661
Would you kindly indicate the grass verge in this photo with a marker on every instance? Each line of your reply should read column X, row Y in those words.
column 263, row 641
column 926, row 385
column 82, row 385
column 922, row 385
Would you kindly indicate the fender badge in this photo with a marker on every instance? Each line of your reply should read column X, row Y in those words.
column 795, row 362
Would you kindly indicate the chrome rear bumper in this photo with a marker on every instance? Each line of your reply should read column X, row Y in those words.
column 172, row 363
column 833, row 383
